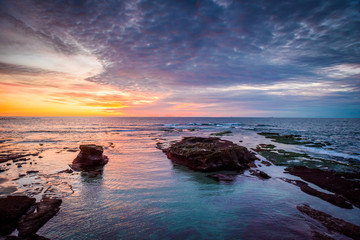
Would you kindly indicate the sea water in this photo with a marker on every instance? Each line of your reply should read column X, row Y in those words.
column 143, row 195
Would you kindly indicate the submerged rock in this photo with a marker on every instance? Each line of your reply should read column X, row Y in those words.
column 31, row 223
column 222, row 177
column 210, row 154
column 11, row 209
column 90, row 157
column 332, row 223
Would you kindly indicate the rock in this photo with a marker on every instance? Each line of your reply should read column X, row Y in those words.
column 8, row 156
column 259, row 174
column 331, row 181
column 335, row 199
column 266, row 163
column 11, row 209
column 31, row 223
column 264, row 147
column 72, row 150
column 222, row 177
column 90, row 157
column 210, row 154
column 332, row 223
column 66, row 171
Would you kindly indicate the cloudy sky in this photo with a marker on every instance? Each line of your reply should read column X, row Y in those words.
column 180, row 58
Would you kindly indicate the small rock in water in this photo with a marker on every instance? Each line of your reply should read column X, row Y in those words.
column 90, row 157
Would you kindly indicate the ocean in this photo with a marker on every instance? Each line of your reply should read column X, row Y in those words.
column 143, row 195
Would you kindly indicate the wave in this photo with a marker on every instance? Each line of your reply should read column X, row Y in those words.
column 329, row 152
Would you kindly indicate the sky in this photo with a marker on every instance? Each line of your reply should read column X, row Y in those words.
column 213, row 58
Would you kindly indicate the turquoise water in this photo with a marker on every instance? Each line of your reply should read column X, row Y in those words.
column 143, row 195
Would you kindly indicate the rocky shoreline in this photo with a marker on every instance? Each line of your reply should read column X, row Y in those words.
column 27, row 215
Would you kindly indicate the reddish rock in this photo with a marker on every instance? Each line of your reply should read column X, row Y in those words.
column 210, row 154
column 90, row 157
column 332, row 223
column 31, row 223
column 11, row 209
column 331, row 181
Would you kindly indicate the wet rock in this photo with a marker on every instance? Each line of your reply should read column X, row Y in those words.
column 331, row 181
column 210, row 154
column 8, row 156
column 259, row 174
column 332, row 223
column 90, row 157
column 66, row 171
column 11, row 209
column 266, row 163
column 337, row 200
column 222, row 177
column 72, row 150
column 31, row 223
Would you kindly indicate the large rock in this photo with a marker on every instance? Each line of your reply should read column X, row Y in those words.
column 90, row 157
column 210, row 154
column 11, row 209
column 31, row 223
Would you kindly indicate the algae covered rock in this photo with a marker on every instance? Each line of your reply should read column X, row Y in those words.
column 210, row 154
